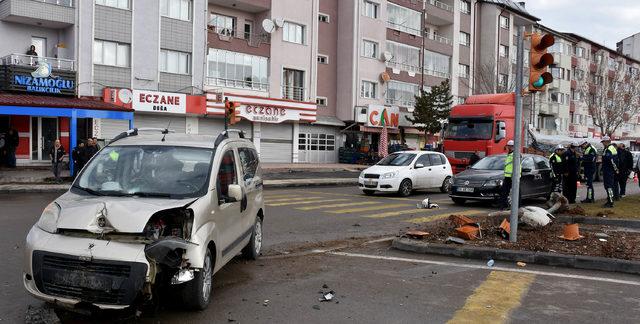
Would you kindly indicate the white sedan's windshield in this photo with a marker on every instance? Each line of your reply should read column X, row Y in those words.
column 153, row 171
column 398, row 159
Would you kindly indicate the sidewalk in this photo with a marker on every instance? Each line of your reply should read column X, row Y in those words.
column 276, row 175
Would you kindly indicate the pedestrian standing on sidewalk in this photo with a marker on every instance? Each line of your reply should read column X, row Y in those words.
column 57, row 154
column 90, row 150
column 589, row 157
column 570, row 185
column 11, row 143
column 508, row 174
column 609, row 169
column 555, row 159
column 78, row 158
column 625, row 163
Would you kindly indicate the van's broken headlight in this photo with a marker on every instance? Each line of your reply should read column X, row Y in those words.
column 48, row 221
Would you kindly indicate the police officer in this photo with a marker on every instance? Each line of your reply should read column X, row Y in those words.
column 609, row 169
column 508, row 174
column 555, row 159
column 589, row 156
column 570, row 184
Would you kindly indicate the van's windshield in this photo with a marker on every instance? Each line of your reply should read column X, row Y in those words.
column 147, row 171
column 469, row 129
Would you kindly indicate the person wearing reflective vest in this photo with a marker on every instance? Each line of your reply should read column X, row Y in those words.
column 589, row 156
column 508, row 174
column 609, row 169
column 555, row 159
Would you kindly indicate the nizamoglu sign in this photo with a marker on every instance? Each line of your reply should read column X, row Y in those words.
column 44, row 85
column 41, row 79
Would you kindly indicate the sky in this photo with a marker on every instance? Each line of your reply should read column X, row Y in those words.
column 602, row 21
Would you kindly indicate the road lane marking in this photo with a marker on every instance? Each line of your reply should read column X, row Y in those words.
column 339, row 205
column 370, row 208
column 280, row 196
column 306, row 202
column 401, row 212
column 444, row 215
column 359, row 196
column 484, row 267
column 501, row 291
column 291, row 199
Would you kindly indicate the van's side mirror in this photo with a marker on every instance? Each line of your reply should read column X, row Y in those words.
column 501, row 131
column 235, row 193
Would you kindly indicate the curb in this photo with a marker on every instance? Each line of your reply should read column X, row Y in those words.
column 542, row 258
column 599, row 221
column 289, row 183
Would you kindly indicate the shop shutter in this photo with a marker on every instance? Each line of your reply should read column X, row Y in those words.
column 214, row 126
column 110, row 128
column 178, row 123
column 276, row 143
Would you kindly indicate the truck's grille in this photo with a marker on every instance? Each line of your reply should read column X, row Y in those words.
column 94, row 281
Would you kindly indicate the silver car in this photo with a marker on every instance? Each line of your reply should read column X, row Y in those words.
column 150, row 210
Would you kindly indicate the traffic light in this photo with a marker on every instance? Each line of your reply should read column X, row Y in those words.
column 539, row 60
column 230, row 111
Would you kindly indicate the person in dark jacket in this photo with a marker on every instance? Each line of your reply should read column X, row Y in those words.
column 589, row 157
column 57, row 154
column 571, row 169
column 557, row 165
column 78, row 158
column 90, row 150
column 609, row 169
column 32, row 51
column 625, row 165
column 12, row 141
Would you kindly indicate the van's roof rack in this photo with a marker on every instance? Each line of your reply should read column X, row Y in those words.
column 136, row 131
column 225, row 134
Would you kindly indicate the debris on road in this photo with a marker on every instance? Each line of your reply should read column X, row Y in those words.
column 521, row 264
column 490, row 263
column 571, row 233
column 602, row 235
column 557, row 204
column 327, row 296
column 316, row 307
column 461, row 220
column 426, row 204
column 416, row 234
column 504, row 229
column 265, row 303
column 467, row 228
column 535, row 216
column 456, row 240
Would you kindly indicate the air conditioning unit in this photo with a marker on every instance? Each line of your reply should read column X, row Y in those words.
column 361, row 114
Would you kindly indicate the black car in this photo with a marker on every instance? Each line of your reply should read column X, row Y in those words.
column 483, row 180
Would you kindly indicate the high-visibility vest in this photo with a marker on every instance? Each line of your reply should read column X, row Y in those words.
column 508, row 166
column 556, row 157
column 612, row 149
column 589, row 149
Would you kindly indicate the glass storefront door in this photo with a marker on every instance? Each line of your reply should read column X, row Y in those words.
column 44, row 132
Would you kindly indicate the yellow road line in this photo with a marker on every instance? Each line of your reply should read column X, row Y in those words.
column 303, row 202
column 370, row 208
column 444, row 215
column 416, row 199
column 495, row 298
column 402, row 212
column 339, row 205
column 291, row 199
column 280, row 196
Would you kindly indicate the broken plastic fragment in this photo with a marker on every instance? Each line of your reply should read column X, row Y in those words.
column 164, row 251
column 454, row 240
column 521, row 264
column 327, row 297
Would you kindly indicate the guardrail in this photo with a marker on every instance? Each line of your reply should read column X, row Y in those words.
column 293, row 93
column 435, row 73
column 30, row 60
column 440, row 39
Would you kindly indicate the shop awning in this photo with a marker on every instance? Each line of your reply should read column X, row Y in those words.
column 378, row 130
column 328, row 121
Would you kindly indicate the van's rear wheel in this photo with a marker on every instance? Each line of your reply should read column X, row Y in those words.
column 196, row 293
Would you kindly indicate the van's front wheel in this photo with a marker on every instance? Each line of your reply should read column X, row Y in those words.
column 196, row 293
column 252, row 250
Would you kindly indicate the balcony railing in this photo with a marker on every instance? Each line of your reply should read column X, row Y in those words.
column 64, row 3
column 237, row 84
column 440, row 39
column 29, row 60
column 441, row 5
column 403, row 67
column 434, row 73
column 403, row 28
column 253, row 39
column 400, row 102
column 293, row 93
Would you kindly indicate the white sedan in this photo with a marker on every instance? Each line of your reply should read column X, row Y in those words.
column 406, row 171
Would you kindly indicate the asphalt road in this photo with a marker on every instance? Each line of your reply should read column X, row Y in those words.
column 373, row 284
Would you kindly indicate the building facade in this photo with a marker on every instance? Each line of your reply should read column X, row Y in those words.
column 630, row 46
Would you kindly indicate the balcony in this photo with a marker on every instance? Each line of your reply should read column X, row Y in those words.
column 292, row 92
column 403, row 28
column 33, row 61
column 439, row 13
column 252, row 6
column 237, row 84
column 403, row 67
column 249, row 43
column 409, row 104
column 438, row 74
column 438, row 43
column 46, row 13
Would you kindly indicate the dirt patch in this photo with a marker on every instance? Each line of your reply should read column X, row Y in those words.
column 618, row 243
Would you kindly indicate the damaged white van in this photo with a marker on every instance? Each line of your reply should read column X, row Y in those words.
column 151, row 210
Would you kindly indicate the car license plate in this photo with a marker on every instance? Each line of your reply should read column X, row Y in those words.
column 370, row 183
column 465, row 189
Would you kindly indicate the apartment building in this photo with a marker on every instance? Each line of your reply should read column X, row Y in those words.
column 630, row 46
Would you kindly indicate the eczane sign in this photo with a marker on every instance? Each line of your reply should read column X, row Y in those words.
column 160, row 102
column 267, row 114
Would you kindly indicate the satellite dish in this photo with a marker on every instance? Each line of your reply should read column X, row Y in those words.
column 385, row 76
column 279, row 22
column 125, row 95
column 387, row 56
column 268, row 25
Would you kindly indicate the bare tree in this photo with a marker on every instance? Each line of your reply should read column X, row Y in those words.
column 486, row 80
column 611, row 94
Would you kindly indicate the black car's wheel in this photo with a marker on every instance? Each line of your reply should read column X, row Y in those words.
column 446, row 185
column 459, row 201
column 196, row 293
column 368, row 192
column 405, row 188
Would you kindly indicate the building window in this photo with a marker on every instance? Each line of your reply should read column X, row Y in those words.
column 578, row 74
column 404, row 56
column 465, row 39
column 401, row 94
column 293, row 33
column 176, row 9
column 321, row 101
column 370, row 9
column 503, row 80
column 323, row 59
column 404, row 19
column 369, row 89
column 369, row 49
column 580, row 52
column 122, row 4
column 237, row 70
column 222, row 24
column 504, row 51
column 293, row 84
column 465, row 6
column 111, row 53
column 504, row 22
column 323, row 18
column 437, row 64
column 464, row 71
column 316, row 142
column 175, row 62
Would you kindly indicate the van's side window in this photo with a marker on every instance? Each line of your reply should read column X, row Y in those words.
column 249, row 161
column 226, row 175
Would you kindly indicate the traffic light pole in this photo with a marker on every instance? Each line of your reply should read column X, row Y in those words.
column 226, row 118
column 515, row 186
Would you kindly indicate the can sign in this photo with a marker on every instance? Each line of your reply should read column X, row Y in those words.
column 160, row 102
